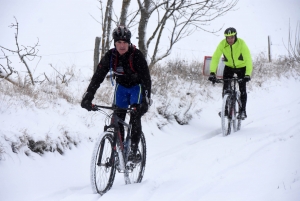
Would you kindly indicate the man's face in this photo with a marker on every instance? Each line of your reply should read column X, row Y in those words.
column 122, row 46
column 230, row 39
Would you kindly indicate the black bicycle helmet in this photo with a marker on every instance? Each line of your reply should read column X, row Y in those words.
column 121, row 33
column 230, row 32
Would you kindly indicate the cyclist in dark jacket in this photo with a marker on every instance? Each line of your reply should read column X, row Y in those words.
column 133, row 81
column 237, row 60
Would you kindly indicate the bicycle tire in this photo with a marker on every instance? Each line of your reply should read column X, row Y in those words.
column 102, row 176
column 239, row 103
column 226, row 120
column 136, row 173
column 234, row 110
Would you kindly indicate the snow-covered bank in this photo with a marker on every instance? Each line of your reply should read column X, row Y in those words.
column 190, row 162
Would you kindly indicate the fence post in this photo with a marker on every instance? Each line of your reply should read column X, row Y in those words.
column 96, row 53
column 269, row 49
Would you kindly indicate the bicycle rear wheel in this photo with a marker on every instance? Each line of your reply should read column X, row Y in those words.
column 226, row 115
column 234, row 120
column 103, row 168
column 136, row 170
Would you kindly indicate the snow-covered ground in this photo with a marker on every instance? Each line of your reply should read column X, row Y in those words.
column 192, row 162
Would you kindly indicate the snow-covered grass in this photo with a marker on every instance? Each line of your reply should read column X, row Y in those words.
column 179, row 91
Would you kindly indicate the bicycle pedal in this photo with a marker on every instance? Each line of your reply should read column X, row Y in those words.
column 220, row 114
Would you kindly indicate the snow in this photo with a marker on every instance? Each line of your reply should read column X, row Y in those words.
column 184, row 162
column 191, row 162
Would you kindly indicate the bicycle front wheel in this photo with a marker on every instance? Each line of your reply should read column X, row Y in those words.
column 136, row 170
column 234, row 119
column 103, row 168
column 239, row 105
column 226, row 115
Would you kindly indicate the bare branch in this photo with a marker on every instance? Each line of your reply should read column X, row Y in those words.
column 63, row 77
column 176, row 19
column 132, row 21
column 25, row 53
column 182, row 18
column 294, row 48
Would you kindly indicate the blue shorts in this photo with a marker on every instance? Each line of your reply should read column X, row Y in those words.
column 127, row 96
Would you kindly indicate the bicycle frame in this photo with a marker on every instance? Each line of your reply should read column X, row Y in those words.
column 232, row 90
column 117, row 141
column 229, row 110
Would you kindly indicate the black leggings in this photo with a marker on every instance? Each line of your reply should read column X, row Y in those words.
column 240, row 72
column 135, row 121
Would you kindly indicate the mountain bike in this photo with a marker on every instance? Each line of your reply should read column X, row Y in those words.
column 231, row 106
column 111, row 154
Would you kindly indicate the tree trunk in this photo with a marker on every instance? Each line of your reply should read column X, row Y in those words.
column 143, row 26
column 106, row 27
column 124, row 12
column 107, row 44
column 96, row 53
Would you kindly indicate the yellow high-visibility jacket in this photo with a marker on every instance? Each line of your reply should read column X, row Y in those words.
column 235, row 56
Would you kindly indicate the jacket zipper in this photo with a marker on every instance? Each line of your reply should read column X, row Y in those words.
column 232, row 56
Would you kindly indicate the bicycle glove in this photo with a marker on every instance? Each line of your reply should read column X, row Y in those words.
column 144, row 106
column 247, row 78
column 212, row 77
column 87, row 101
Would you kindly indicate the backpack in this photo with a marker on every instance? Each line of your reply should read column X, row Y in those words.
column 114, row 62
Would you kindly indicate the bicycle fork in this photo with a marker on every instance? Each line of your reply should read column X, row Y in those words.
column 232, row 108
column 122, row 166
column 238, row 100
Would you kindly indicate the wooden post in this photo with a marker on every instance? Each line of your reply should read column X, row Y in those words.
column 96, row 53
column 269, row 49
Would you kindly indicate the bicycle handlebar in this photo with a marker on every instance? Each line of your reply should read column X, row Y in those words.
column 114, row 108
column 221, row 80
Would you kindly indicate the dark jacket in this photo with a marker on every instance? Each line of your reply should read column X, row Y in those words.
column 139, row 75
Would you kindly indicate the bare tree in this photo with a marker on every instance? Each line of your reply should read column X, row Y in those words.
column 176, row 20
column 293, row 48
column 25, row 53
column 105, row 22
column 180, row 18
column 106, row 27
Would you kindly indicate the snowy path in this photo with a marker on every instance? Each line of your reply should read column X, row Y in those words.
column 193, row 162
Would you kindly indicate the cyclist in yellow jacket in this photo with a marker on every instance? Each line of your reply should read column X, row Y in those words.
column 237, row 59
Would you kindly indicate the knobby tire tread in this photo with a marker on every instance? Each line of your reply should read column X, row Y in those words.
column 136, row 176
column 225, row 122
column 100, row 148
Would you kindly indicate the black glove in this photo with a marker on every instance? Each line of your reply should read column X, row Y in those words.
column 247, row 78
column 87, row 101
column 212, row 77
column 144, row 106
